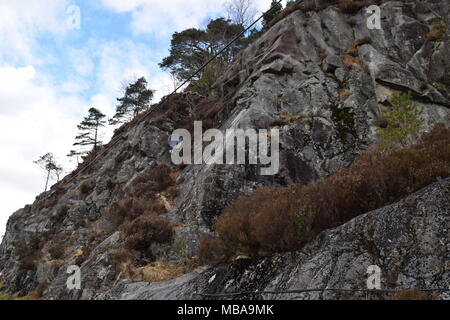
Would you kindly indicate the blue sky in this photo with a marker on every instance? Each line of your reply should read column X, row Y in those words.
column 52, row 73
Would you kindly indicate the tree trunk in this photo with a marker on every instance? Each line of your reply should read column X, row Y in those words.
column 96, row 134
column 46, row 182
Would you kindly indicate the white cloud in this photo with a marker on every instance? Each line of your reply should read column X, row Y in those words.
column 12, row 79
column 22, row 20
column 81, row 61
column 119, row 63
column 34, row 119
column 164, row 17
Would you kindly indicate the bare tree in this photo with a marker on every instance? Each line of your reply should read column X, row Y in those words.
column 241, row 12
column 48, row 163
column 58, row 171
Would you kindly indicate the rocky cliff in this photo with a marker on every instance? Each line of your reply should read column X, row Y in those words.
column 321, row 77
column 407, row 240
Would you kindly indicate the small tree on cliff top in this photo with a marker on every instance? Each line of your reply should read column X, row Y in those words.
column 48, row 163
column 136, row 99
column 89, row 129
column 272, row 14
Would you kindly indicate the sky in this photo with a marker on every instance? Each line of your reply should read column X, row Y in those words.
column 58, row 58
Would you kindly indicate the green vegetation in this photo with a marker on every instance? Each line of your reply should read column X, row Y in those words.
column 404, row 120
column 344, row 119
column 192, row 48
column 136, row 99
column 285, row 219
column 438, row 31
column 89, row 133
column 272, row 14
column 35, row 295
column 5, row 295
column 209, row 76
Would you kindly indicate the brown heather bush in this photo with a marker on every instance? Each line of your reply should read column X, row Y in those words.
column 138, row 214
column 110, row 184
column 414, row 294
column 285, row 219
column 172, row 192
column 349, row 6
column 57, row 251
column 28, row 263
column 160, row 271
column 86, row 187
column 353, row 48
column 145, row 230
column 38, row 293
column 157, row 180
column 352, row 63
column 212, row 251
column 122, row 260
column 142, row 198
column 28, row 248
column 129, row 209
column 85, row 253
column 30, row 252
column 344, row 94
column 122, row 255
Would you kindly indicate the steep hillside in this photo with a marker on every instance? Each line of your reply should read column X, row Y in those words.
column 321, row 77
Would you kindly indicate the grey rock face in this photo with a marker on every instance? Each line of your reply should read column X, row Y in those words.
column 296, row 70
column 407, row 240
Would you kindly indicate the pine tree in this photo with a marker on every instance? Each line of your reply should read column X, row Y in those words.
column 273, row 13
column 89, row 132
column 192, row 48
column 136, row 100
column 404, row 121
column 48, row 163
